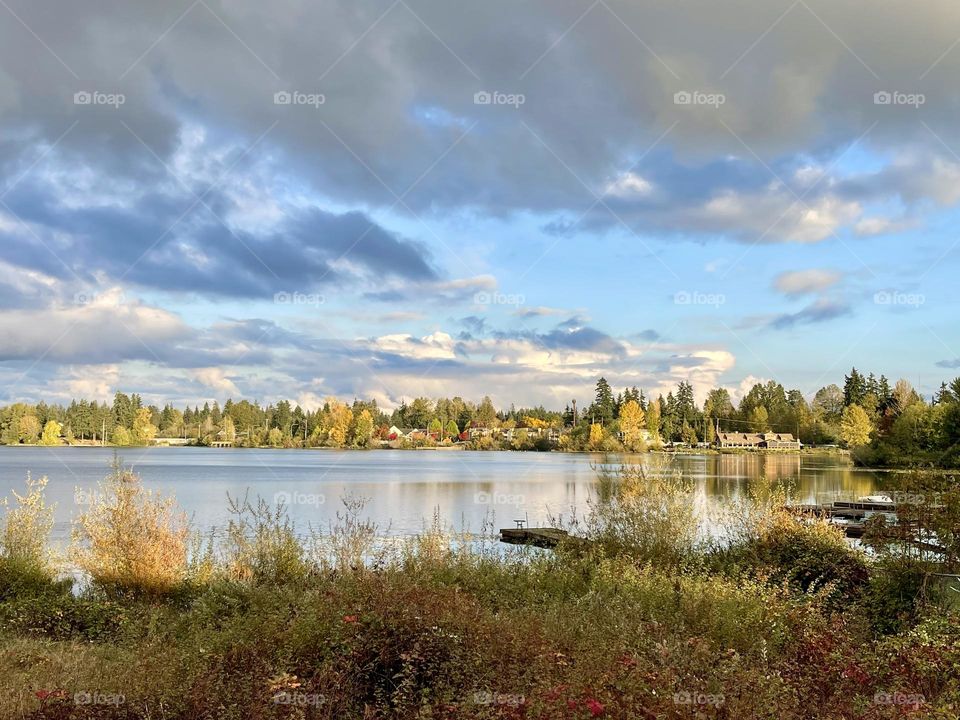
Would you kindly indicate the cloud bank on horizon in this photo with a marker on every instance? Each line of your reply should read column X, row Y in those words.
column 403, row 197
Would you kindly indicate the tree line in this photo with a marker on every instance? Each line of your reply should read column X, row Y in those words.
column 885, row 423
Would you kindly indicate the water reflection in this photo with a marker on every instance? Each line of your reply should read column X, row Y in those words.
column 404, row 488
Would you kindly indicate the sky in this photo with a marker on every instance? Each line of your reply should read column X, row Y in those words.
column 393, row 198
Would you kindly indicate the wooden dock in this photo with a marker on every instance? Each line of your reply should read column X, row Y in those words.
column 543, row 537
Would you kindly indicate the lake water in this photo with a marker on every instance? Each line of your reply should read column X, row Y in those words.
column 404, row 488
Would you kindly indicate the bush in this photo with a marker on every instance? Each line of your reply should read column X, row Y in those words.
column 262, row 545
column 809, row 555
column 25, row 563
column 131, row 539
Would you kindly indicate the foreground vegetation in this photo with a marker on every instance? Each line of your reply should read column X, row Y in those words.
column 777, row 619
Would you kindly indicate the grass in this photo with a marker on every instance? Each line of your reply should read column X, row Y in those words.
column 650, row 622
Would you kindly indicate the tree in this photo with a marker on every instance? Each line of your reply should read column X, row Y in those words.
column 632, row 425
column 228, row 430
column 275, row 437
column 121, row 436
column 854, row 388
column 596, row 436
column 759, row 419
column 653, row 421
column 29, row 429
column 362, row 428
column 452, row 430
column 336, row 423
column 144, row 431
column 51, row 433
column 855, row 426
column 604, row 405
column 828, row 403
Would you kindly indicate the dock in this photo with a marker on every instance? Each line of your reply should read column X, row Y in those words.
column 543, row 537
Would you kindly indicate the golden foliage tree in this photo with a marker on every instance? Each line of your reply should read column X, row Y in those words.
column 855, row 426
column 632, row 421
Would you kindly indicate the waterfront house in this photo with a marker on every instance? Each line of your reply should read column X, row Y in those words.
column 768, row 440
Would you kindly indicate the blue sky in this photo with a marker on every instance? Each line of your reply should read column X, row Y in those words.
column 389, row 199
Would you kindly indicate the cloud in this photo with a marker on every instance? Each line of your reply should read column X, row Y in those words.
column 819, row 311
column 804, row 282
column 217, row 380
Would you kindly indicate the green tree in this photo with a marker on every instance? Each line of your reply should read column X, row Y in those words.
column 121, row 436
column 604, row 406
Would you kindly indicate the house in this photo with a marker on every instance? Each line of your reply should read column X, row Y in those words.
column 395, row 433
column 739, row 440
column 780, row 441
column 769, row 440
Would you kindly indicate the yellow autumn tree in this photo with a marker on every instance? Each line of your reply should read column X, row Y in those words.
column 336, row 423
column 596, row 436
column 144, row 431
column 632, row 421
column 855, row 426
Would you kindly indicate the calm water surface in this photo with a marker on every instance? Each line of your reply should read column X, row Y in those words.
column 405, row 488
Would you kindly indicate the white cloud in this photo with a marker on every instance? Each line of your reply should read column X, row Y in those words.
column 802, row 282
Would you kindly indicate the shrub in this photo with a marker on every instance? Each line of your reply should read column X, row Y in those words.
column 131, row 539
column 648, row 515
column 25, row 563
column 262, row 545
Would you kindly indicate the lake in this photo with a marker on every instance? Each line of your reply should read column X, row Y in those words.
column 404, row 488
